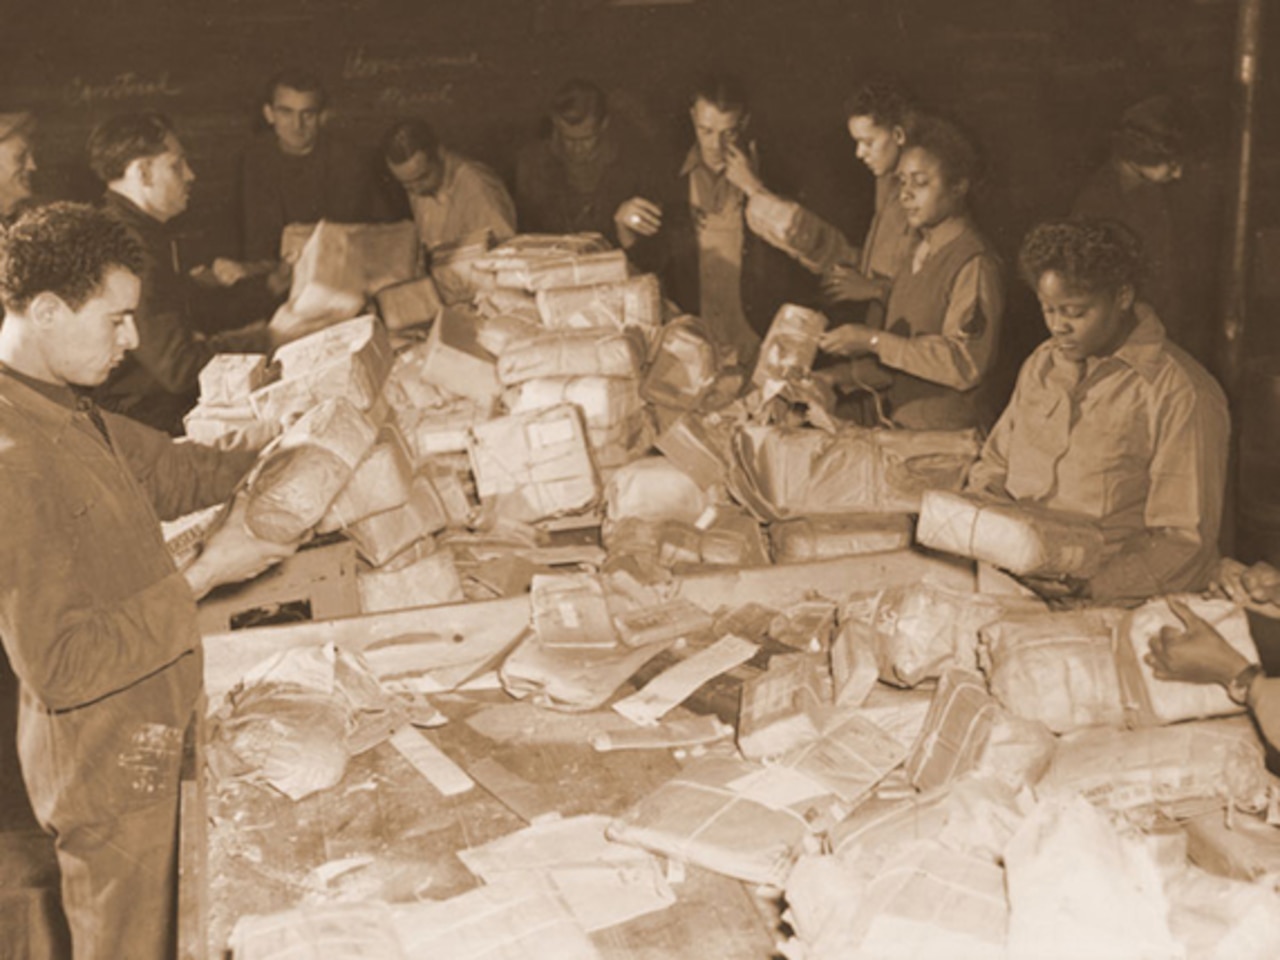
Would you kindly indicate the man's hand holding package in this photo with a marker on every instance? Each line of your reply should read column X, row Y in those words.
column 232, row 554
column 1258, row 584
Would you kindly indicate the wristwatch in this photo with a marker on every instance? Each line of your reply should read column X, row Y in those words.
column 1238, row 686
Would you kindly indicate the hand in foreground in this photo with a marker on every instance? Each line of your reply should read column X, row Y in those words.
column 848, row 340
column 845, row 283
column 1259, row 583
column 637, row 217
column 1197, row 654
column 286, row 326
column 232, row 554
column 740, row 171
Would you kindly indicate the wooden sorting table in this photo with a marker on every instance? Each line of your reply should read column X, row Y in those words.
column 249, row 850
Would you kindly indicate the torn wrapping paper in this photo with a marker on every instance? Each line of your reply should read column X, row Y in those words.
column 699, row 817
column 966, row 732
column 785, row 707
column 1153, row 701
column 342, row 264
column 572, row 678
column 382, row 481
column 783, row 472
column 454, row 360
column 385, row 535
column 790, row 346
column 229, row 378
column 596, row 352
column 409, row 304
column 535, row 466
column 652, row 488
column 1161, row 767
column 648, row 705
column 301, row 473
column 797, row 232
column 548, row 273
column 515, row 305
column 294, row 719
column 803, row 540
column 420, row 577
column 498, row 921
column 330, row 931
column 1025, row 539
column 601, row 882
column 455, row 268
column 918, row 630
column 350, row 361
column 636, row 302
column 683, row 367
column 1079, row 888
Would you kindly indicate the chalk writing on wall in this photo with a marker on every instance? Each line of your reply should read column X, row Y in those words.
column 123, row 86
column 361, row 65
column 405, row 97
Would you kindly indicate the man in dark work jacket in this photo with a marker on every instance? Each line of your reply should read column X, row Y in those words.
column 696, row 237
column 98, row 622
column 148, row 184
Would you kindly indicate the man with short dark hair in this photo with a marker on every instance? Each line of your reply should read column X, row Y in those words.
column 452, row 197
column 98, row 623
column 693, row 232
column 299, row 173
column 1112, row 421
column 17, row 163
column 148, row 180
column 574, row 180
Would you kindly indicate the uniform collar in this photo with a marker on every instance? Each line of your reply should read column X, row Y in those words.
column 58, row 393
column 55, row 415
column 1145, row 345
column 133, row 214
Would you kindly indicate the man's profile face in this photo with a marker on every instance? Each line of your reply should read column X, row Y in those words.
column 82, row 346
column 168, row 179
column 420, row 175
column 16, row 166
column 296, row 117
column 715, row 130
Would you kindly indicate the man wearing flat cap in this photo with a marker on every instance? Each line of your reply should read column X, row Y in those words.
column 16, row 164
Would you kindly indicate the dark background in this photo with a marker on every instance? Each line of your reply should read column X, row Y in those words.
column 1039, row 81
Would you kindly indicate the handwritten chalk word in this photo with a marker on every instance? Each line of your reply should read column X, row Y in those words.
column 123, row 86
column 401, row 97
column 360, row 65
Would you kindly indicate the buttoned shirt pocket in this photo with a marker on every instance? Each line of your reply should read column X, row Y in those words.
column 1039, row 439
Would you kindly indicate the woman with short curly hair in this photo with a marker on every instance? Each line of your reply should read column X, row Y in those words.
column 1112, row 421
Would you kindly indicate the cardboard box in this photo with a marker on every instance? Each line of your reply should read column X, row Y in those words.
column 318, row 583
column 571, row 353
column 633, row 302
column 454, row 360
column 409, row 303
